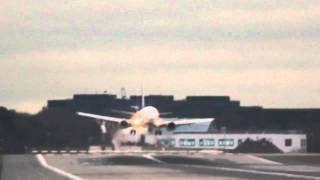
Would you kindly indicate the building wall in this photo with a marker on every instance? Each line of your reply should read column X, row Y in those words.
column 231, row 141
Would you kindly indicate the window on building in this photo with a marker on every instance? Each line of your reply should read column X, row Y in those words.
column 226, row 142
column 172, row 142
column 303, row 142
column 206, row 142
column 270, row 140
column 200, row 142
column 187, row 142
column 288, row 142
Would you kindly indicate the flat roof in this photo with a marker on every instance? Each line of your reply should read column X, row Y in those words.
column 242, row 132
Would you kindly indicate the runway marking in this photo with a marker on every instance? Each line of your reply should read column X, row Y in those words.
column 149, row 156
column 270, row 173
column 264, row 160
column 44, row 163
column 263, row 172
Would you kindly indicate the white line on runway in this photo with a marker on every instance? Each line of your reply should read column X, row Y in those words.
column 149, row 156
column 268, row 173
column 263, row 160
column 263, row 172
column 44, row 163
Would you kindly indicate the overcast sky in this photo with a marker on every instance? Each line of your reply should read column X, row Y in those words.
column 260, row 52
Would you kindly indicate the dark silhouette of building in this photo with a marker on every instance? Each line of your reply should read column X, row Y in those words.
column 228, row 113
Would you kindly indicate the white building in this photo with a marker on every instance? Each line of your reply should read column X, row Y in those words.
column 287, row 142
column 195, row 136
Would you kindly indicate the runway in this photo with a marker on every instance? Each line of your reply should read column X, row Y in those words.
column 162, row 165
column 20, row 167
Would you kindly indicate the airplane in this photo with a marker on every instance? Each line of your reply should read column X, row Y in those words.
column 147, row 117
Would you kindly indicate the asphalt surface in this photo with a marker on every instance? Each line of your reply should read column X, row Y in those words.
column 164, row 165
column 25, row 167
column 294, row 159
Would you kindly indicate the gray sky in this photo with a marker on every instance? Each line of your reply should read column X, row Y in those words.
column 260, row 52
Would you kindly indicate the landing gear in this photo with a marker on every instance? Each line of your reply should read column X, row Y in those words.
column 133, row 132
column 142, row 139
column 150, row 129
column 158, row 132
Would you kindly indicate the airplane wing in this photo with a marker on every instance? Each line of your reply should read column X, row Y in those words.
column 188, row 121
column 103, row 118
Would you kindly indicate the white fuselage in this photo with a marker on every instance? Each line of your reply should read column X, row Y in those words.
column 145, row 116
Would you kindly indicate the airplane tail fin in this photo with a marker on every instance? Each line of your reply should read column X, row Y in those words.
column 142, row 98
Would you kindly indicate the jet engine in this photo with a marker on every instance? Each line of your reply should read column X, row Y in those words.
column 171, row 126
column 124, row 124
